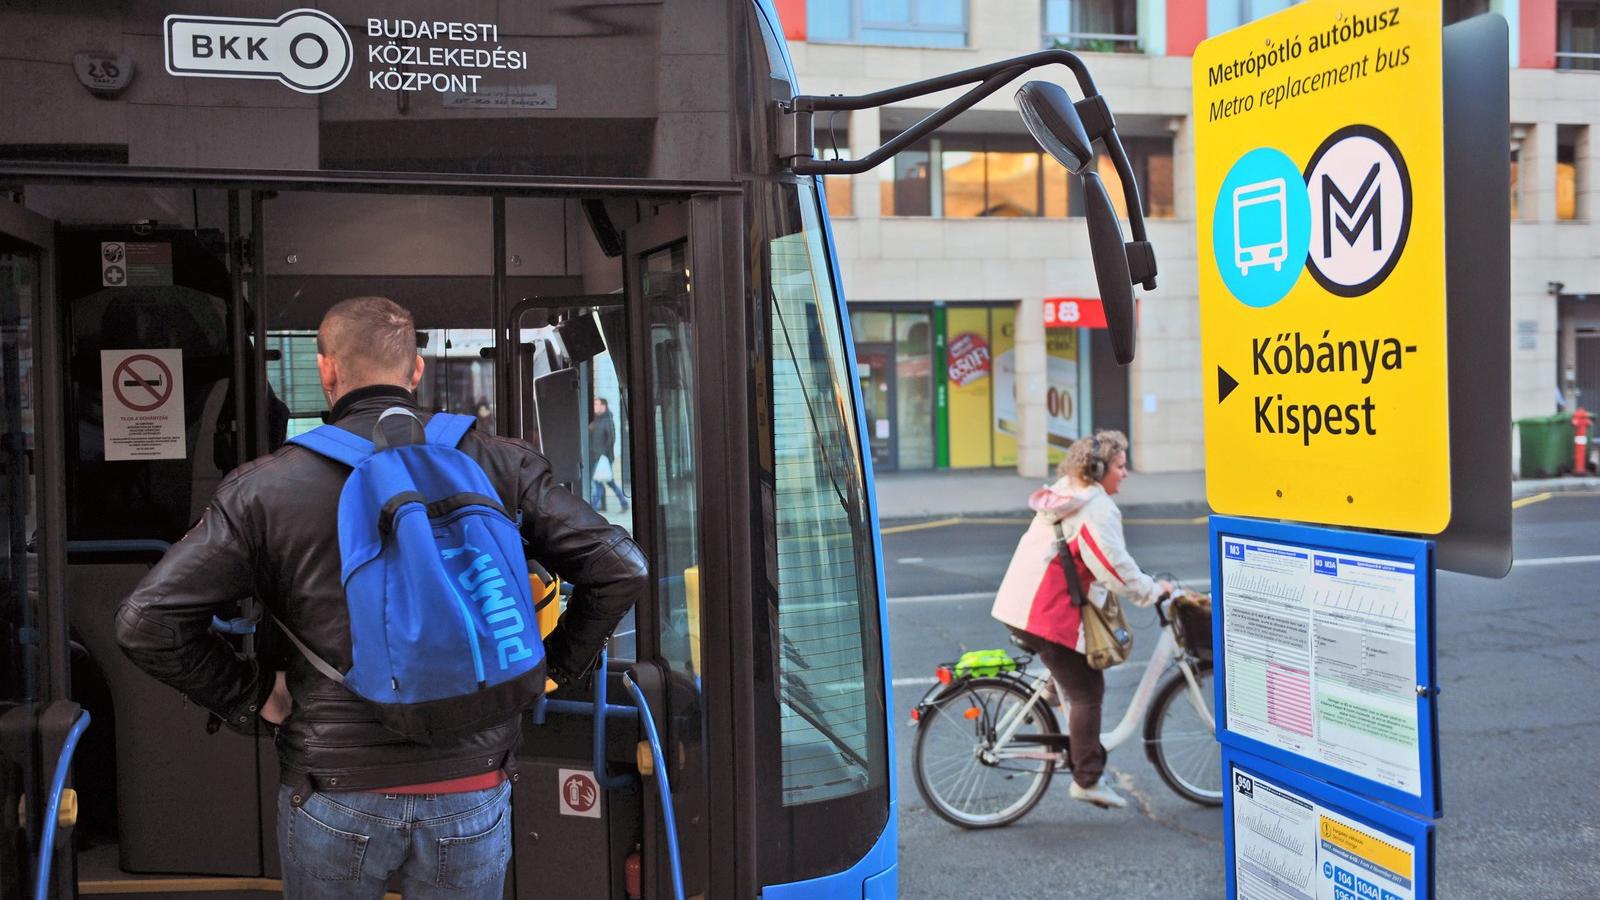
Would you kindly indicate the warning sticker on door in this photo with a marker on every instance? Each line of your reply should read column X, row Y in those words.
column 580, row 795
column 143, row 401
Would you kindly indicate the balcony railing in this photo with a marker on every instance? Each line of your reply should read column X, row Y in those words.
column 1091, row 42
column 1575, row 60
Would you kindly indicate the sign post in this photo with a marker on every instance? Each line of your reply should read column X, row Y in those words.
column 1347, row 359
column 1319, row 161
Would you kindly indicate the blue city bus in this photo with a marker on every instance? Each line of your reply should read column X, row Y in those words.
column 579, row 202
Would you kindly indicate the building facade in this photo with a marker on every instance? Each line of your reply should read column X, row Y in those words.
column 967, row 267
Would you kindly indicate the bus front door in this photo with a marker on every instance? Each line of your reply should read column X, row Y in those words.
column 624, row 418
column 33, row 634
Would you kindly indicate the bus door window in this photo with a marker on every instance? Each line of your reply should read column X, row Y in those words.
column 569, row 355
column 675, row 556
column 19, row 281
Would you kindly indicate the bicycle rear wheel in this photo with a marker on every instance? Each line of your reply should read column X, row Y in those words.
column 958, row 769
column 1182, row 743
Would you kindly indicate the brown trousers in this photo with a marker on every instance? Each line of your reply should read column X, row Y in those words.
column 1086, row 691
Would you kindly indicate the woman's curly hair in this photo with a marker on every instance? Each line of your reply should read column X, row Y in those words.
column 1102, row 445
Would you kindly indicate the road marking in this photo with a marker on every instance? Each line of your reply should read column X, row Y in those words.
column 915, row 682
column 1197, row 520
column 1529, row 501
column 942, row 598
column 976, row 520
column 1557, row 561
column 919, row 526
column 910, row 560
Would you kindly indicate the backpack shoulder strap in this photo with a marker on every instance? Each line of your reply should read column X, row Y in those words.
column 336, row 444
column 447, row 429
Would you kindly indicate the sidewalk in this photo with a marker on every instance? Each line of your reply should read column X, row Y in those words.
column 944, row 493
column 1003, row 493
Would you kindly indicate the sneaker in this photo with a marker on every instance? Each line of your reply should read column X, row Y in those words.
column 1100, row 795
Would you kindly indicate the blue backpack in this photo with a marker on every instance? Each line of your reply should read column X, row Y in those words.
column 443, row 633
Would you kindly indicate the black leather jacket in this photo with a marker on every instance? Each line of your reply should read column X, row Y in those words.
column 271, row 531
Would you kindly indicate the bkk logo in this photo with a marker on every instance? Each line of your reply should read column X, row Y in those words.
column 306, row 49
column 1345, row 218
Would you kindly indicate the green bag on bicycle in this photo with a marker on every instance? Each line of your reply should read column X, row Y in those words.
column 984, row 663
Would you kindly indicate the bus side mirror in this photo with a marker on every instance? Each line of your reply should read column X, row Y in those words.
column 1053, row 121
column 1110, row 267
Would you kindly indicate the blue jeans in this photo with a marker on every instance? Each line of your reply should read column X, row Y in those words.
column 347, row 844
column 597, row 495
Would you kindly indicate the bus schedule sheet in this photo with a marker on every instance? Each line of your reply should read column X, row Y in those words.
column 1288, row 842
column 1320, row 656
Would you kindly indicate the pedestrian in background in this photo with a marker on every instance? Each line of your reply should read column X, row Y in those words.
column 602, row 450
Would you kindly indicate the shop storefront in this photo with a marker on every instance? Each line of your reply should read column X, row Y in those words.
column 941, row 387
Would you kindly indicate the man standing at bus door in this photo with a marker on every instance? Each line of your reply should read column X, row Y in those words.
column 359, row 803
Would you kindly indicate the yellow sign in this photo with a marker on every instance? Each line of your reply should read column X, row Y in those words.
column 1319, row 178
column 1365, row 846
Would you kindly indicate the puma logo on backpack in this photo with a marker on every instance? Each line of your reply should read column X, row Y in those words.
column 444, row 636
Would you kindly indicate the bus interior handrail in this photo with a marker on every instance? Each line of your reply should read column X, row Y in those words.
column 58, row 783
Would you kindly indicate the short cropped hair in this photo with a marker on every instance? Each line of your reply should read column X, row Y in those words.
column 373, row 339
column 1102, row 445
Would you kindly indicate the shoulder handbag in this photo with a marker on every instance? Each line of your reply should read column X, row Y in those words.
column 1107, row 641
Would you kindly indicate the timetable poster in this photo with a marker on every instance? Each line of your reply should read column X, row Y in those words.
column 1320, row 656
column 1289, row 846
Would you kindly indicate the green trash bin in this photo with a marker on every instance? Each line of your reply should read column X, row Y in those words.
column 1546, row 445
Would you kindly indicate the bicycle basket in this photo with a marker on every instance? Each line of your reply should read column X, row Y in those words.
column 984, row 663
column 1191, row 620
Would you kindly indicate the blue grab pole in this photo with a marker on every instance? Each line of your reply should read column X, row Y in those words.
column 53, row 811
column 663, row 785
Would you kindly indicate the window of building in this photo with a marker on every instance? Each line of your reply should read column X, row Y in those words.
column 1578, row 34
column 1571, row 147
column 1150, row 158
column 1516, row 204
column 986, row 176
column 833, row 142
column 902, row 23
column 1225, row 15
column 1100, row 26
column 1457, row 10
column 909, row 192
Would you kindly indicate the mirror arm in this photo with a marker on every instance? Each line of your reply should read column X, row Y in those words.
column 797, row 143
column 804, row 164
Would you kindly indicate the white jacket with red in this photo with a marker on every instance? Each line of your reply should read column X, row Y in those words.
column 1034, row 595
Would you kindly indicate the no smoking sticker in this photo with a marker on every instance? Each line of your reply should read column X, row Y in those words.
column 580, row 795
column 142, row 395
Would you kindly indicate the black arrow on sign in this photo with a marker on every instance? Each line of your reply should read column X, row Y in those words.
column 1225, row 384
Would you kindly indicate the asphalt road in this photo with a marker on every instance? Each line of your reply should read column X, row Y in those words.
column 1519, row 666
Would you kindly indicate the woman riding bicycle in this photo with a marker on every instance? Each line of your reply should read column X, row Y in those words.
column 1035, row 602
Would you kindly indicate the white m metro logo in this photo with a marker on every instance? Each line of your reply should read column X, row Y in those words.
column 1360, row 196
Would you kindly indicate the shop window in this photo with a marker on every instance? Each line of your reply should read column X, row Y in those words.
column 914, row 389
column 1570, row 140
column 1098, row 26
column 902, row 23
column 1578, row 34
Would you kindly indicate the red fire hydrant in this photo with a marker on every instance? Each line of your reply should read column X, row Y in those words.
column 1581, row 420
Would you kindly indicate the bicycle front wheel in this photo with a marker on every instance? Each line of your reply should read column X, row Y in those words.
column 963, row 771
column 1181, row 741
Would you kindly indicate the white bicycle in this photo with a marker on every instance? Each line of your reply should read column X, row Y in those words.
column 988, row 739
